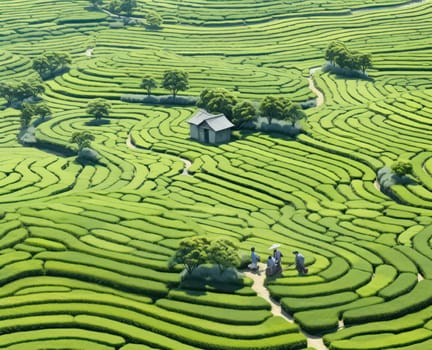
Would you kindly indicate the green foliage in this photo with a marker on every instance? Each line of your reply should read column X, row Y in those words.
column 148, row 83
column 51, row 63
column 223, row 253
column 281, row 108
column 195, row 251
column 82, row 139
column 338, row 53
column 29, row 110
column 153, row 19
column 175, row 80
column 402, row 168
column 217, row 100
column 192, row 252
column 243, row 112
column 14, row 92
column 128, row 6
column 98, row 108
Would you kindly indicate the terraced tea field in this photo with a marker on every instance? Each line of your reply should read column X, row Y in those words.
column 85, row 250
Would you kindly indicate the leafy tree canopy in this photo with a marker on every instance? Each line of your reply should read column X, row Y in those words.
column 153, row 19
column 402, row 168
column 217, row 101
column 148, row 83
column 51, row 63
column 82, row 139
column 98, row 108
column 175, row 80
column 223, row 253
column 18, row 91
column 192, row 252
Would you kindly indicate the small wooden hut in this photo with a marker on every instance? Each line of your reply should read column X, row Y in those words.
column 210, row 128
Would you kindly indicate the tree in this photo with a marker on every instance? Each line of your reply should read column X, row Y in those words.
column 273, row 108
column 175, row 80
column 98, row 108
column 27, row 112
column 242, row 113
column 13, row 92
column 148, row 83
column 333, row 50
column 192, row 252
column 50, row 63
column 223, row 253
column 293, row 112
column 114, row 6
column 42, row 110
column 128, row 6
column 402, row 168
column 153, row 19
column 82, row 139
column 364, row 61
column 217, row 100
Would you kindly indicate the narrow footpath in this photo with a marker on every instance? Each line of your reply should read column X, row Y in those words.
column 186, row 162
column 258, row 286
column 314, row 89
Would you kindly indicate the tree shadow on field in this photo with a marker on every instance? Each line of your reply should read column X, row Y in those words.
column 97, row 122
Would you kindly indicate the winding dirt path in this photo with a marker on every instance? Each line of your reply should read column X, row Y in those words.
column 258, row 286
column 187, row 162
column 314, row 89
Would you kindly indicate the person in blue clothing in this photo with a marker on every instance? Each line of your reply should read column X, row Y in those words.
column 255, row 259
column 300, row 263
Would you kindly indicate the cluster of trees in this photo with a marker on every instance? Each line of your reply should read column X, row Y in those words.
column 51, row 63
column 222, row 101
column 30, row 110
column 19, row 91
column 199, row 250
column 338, row 54
column 174, row 80
column 281, row 108
column 120, row 6
column 239, row 112
column 153, row 19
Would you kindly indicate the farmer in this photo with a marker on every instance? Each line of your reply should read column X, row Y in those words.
column 299, row 263
column 277, row 255
column 255, row 259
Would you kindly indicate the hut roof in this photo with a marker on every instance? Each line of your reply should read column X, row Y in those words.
column 216, row 122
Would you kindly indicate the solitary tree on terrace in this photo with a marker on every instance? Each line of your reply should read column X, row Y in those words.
column 153, row 19
column 175, row 80
column 83, row 139
column 223, row 253
column 402, row 168
column 98, row 108
column 148, row 83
